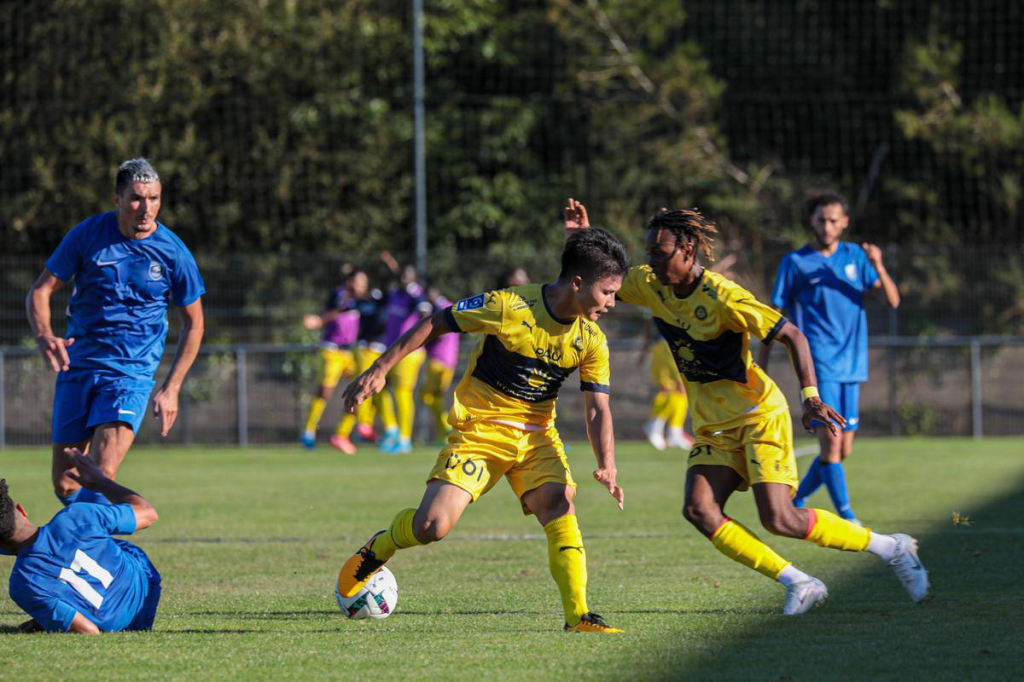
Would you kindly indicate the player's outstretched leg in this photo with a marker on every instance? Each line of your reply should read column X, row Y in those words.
column 825, row 529
column 707, row 490
column 552, row 503
column 439, row 511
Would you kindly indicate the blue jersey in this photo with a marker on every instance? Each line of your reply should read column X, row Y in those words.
column 118, row 309
column 824, row 296
column 76, row 566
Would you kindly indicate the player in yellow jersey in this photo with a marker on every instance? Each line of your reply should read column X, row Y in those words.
column 740, row 417
column 503, row 418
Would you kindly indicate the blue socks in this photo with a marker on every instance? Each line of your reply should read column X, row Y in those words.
column 83, row 495
column 833, row 476
column 812, row 481
column 835, row 480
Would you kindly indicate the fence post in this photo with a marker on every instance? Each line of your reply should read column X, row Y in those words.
column 894, row 410
column 976, row 427
column 185, row 415
column 241, row 397
column 3, row 406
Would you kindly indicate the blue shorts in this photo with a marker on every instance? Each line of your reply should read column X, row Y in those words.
column 844, row 398
column 87, row 398
column 147, row 614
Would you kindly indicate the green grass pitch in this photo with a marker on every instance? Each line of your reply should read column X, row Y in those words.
column 249, row 543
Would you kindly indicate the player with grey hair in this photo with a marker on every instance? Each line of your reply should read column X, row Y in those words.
column 126, row 268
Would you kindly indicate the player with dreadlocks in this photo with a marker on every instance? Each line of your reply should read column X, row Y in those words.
column 743, row 430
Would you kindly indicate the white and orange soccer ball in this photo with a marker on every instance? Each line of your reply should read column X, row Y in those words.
column 377, row 600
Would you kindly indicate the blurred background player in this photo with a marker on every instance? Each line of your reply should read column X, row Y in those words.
column 339, row 323
column 741, row 419
column 72, row 575
column 532, row 338
column 821, row 286
column 442, row 359
column 513, row 277
column 407, row 304
column 669, row 406
column 372, row 309
column 127, row 268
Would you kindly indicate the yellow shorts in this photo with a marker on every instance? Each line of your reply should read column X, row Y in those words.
column 406, row 373
column 479, row 454
column 335, row 364
column 439, row 377
column 664, row 372
column 366, row 356
column 760, row 453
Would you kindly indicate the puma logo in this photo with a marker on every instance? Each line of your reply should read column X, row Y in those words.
column 528, row 325
column 565, row 547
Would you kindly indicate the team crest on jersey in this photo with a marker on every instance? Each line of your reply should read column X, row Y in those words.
column 701, row 313
column 470, row 303
column 156, row 271
column 851, row 272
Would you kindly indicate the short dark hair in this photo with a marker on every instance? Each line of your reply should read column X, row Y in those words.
column 7, row 520
column 593, row 254
column 688, row 225
column 132, row 171
column 823, row 199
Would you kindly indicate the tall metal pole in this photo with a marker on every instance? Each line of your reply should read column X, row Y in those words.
column 419, row 151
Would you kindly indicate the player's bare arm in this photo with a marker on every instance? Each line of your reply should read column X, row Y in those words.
column 165, row 401
column 598, row 414
column 83, row 626
column 764, row 353
column 371, row 382
column 90, row 476
column 800, row 355
column 885, row 281
column 37, row 306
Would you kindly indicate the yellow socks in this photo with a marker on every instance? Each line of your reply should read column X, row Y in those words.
column 678, row 404
column 568, row 565
column 405, row 407
column 385, row 405
column 661, row 408
column 398, row 536
column 347, row 423
column 435, row 403
column 735, row 541
column 825, row 529
column 316, row 410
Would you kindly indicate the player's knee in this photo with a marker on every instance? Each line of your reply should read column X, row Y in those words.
column 701, row 516
column 432, row 529
column 782, row 522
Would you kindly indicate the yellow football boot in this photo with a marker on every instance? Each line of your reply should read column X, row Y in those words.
column 359, row 568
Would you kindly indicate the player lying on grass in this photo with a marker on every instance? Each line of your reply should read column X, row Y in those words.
column 71, row 575
column 532, row 338
column 743, row 431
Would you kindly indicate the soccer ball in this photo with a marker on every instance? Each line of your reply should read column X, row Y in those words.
column 376, row 600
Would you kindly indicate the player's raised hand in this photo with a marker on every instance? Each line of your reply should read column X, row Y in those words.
column 312, row 322
column 54, row 351
column 606, row 477
column 575, row 217
column 817, row 411
column 368, row 384
column 873, row 253
column 86, row 473
column 165, row 408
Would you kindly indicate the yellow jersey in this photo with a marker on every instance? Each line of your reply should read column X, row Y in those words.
column 709, row 335
column 526, row 353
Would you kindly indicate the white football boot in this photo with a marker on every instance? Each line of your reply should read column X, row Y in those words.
column 803, row 596
column 908, row 567
column 655, row 434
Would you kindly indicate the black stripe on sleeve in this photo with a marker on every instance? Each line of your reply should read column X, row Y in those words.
column 595, row 388
column 449, row 319
column 775, row 330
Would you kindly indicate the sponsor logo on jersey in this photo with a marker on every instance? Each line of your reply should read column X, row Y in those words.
column 470, row 303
